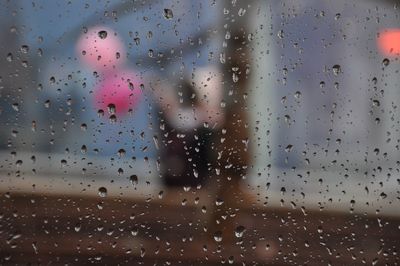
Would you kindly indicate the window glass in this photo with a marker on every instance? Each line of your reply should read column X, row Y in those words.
column 199, row 132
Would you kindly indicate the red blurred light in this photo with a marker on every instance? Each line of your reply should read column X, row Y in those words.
column 389, row 42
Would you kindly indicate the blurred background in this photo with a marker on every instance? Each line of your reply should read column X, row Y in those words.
column 199, row 132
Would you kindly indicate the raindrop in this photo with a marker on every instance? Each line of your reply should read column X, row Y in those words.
column 289, row 148
column 219, row 202
column 134, row 180
column 287, row 119
column 235, row 77
column 135, row 231
column 47, row 104
column 385, row 62
column 239, row 231
column 24, row 49
column 121, row 153
column 280, row 34
column 15, row 106
column 168, row 13
column 142, row 252
column 111, row 108
column 9, row 57
column 102, row 34
column 83, row 149
column 102, row 192
column 100, row 112
column 376, row 103
column 195, row 173
column 336, row 69
column 113, row 119
column 120, row 171
column 218, row 236
column 155, row 140
column 77, row 227
column 241, row 12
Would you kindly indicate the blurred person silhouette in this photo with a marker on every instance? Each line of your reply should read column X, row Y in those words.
column 187, row 89
column 204, row 125
column 187, row 123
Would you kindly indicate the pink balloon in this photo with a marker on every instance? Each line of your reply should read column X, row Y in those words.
column 118, row 92
column 101, row 49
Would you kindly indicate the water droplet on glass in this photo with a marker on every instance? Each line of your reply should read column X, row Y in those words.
column 142, row 252
column 102, row 34
column 15, row 106
column 83, row 149
column 47, row 104
column 336, row 69
column 218, row 236
column 288, row 148
column 9, row 57
column 24, row 49
column 135, row 231
column 219, row 201
column 385, row 62
column 376, row 103
column 168, row 13
column 235, row 77
column 121, row 153
column 239, row 231
column 280, row 34
column 111, row 108
column 120, row 171
column 77, row 227
column 100, row 112
column 287, row 119
column 134, row 180
column 102, row 192
column 113, row 119
column 241, row 12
